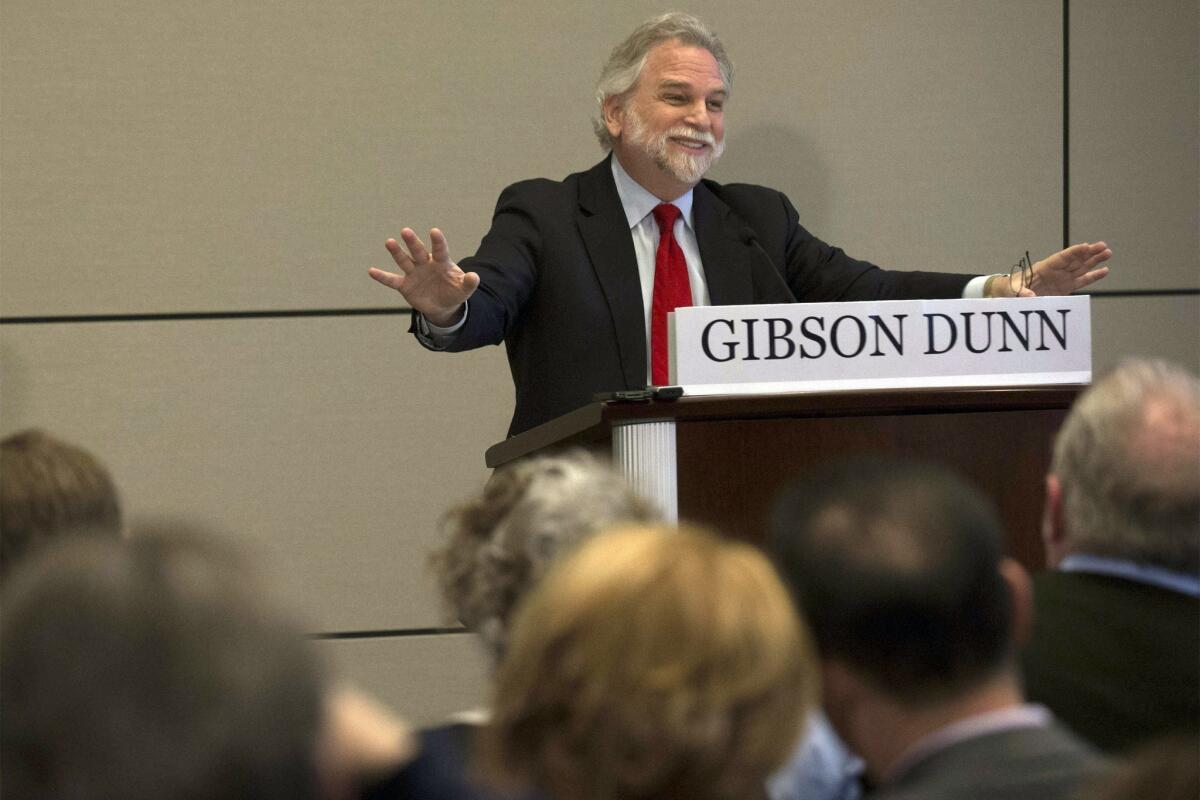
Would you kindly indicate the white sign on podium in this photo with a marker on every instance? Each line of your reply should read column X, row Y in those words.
column 890, row 344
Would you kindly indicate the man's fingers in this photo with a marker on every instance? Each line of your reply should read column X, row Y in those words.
column 1099, row 258
column 388, row 279
column 470, row 282
column 441, row 251
column 416, row 248
column 1088, row 278
column 1087, row 254
column 399, row 255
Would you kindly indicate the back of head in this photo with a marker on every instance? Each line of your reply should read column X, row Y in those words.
column 149, row 668
column 48, row 488
column 896, row 567
column 624, row 66
column 653, row 662
column 502, row 542
column 1128, row 460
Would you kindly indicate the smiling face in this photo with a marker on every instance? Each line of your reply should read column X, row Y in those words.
column 669, row 129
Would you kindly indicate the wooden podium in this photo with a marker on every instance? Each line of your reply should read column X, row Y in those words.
column 720, row 461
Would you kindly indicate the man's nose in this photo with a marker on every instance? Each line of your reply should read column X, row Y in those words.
column 698, row 116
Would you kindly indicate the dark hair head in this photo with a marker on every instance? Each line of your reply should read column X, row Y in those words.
column 151, row 668
column 48, row 488
column 895, row 565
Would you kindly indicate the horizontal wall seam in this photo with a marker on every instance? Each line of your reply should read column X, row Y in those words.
column 379, row 312
column 1144, row 293
column 387, row 634
column 193, row 315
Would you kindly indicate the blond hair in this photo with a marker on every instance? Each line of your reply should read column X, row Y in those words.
column 654, row 662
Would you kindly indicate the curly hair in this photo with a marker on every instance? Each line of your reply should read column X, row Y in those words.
column 499, row 544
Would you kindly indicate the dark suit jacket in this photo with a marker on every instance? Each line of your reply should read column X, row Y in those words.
column 1116, row 660
column 1020, row 764
column 559, row 281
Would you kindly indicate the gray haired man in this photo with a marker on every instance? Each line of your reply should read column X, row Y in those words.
column 576, row 276
column 1115, row 650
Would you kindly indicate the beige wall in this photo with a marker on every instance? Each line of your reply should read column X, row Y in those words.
column 1135, row 170
column 159, row 159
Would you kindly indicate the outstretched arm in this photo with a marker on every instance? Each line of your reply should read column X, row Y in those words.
column 430, row 282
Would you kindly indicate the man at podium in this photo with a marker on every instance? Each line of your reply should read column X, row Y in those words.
column 576, row 277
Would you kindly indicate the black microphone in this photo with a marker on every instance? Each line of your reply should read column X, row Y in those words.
column 750, row 239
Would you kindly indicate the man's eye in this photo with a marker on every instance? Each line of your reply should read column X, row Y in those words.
column 716, row 105
column 676, row 98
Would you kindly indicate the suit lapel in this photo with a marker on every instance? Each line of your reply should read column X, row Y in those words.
column 723, row 250
column 605, row 232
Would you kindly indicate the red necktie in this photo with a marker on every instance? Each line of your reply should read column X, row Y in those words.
column 672, row 289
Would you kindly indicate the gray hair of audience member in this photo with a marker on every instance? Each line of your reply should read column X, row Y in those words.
column 624, row 66
column 47, row 488
column 151, row 667
column 501, row 543
column 1128, row 459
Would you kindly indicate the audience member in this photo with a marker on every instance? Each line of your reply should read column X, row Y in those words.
column 898, row 567
column 497, row 547
column 152, row 667
column 48, row 488
column 820, row 768
column 1115, row 650
column 652, row 663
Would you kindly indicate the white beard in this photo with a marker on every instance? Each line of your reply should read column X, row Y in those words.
column 684, row 167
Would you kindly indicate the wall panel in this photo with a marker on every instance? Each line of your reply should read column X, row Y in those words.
column 1135, row 138
column 1145, row 327
column 228, row 156
column 331, row 445
column 424, row 678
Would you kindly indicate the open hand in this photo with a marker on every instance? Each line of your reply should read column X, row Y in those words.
column 1067, row 270
column 430, row 282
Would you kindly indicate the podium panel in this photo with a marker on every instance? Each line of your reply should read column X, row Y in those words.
column 721, row 461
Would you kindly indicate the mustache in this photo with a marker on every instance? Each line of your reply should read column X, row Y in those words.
column 691, row 133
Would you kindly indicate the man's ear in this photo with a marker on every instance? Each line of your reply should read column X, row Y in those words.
column 1020, row 589
column 614, row 114
column 840, row 693
column 1054, row 531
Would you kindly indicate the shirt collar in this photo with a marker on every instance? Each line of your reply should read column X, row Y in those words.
column 1028, row 715
column 1131, row 570
column 637, row 201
